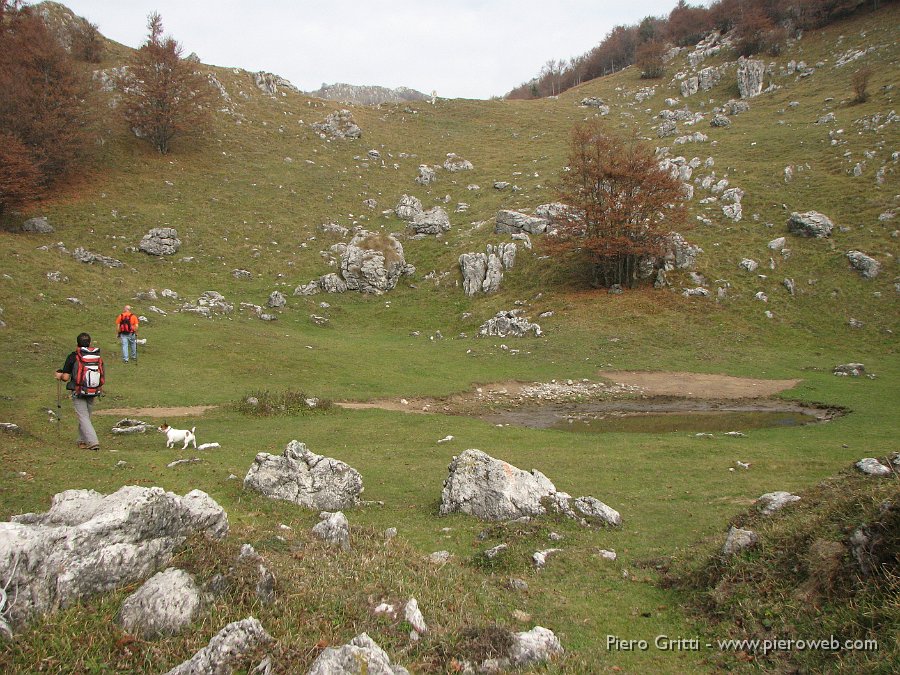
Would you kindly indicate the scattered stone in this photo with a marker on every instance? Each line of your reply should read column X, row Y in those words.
column 509, row 324
column 307, row 479
column 738, row 540
column 607, row 554
column 164, row 605
column 334, row 528
column 493, row 552
column 771, row 502
column 810, row 224
column 440, row 557
column 454, row 163
column 501, row 185
column 872, row 467
column 226, row 649
column 338, row 125
column 414, row 616
column 514, row 222
column 867, row 267
column 720, row 121
column 408, row 207
column 38, row 225
column 390, row 533
column 83, row 255
column 539, row 558
column 360, row 656
column 160, row 241
column 426, row 175
column 90, row 543
column 432, row 221
column 243, row 275
column 597, row 510
column 749, row 265
column 849, row 369
column 276, row 300
column 535, row 646
column 130, row 426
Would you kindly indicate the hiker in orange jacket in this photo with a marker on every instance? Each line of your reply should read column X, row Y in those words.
column 126, row 332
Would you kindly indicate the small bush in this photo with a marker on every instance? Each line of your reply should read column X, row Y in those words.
column 860, row 83
column 290, row 402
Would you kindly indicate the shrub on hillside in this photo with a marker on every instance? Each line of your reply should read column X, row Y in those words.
column 42, row 106
column 649, row 58
column 622, row 206
column 860, row 83
column 164, row 98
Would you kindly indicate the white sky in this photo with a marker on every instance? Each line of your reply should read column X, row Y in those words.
column 459, row 48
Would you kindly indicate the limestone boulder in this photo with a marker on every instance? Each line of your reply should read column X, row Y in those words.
column 433, row 221
column 361, row 656
column 534, row 646
column 739, row 539
column 305, row 478
column 90, row 543
column 38, row 225
column 408, row 207
column 334, row 528
column 750, row 75
column 372, row 263
column 492, row 489
column 511, row 222
column 810, row 224
column 226, row 649
column 160, row 241
column 338, row 125
column 509, row 324
column 872, row 467
column 771, row 502
column 867, row 266
column 164, row 605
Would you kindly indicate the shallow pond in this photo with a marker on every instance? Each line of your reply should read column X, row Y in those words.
column 680, row 415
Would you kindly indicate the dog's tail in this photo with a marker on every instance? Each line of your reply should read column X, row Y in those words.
column 193, row 429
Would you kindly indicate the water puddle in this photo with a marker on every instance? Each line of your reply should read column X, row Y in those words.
column 680, row 415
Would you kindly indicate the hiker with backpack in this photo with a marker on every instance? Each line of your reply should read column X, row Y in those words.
column 84, row 377
column 126, row 332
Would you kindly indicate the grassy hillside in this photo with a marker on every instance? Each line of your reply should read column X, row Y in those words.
column 252, row 193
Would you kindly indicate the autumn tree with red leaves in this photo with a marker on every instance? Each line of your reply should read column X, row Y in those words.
column 621, row 206
column 163, row 97
column 650, row 59
column 44, row 116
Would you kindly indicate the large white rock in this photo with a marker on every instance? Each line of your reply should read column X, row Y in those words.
column 305, row 478
column 362, row 656
column 810, row 224
column 867, row 266
column 166, row 604
column 433, row 221
column 225, row 649
column 492, row 489
column 771, row 502
column 872, row 467
column 738, row 540
column 90, row 543
column 534, row 646
column 515, row 221
column 750, row 77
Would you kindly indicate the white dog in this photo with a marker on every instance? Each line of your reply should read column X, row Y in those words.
column 174, row 436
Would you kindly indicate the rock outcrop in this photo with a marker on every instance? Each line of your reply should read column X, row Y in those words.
column 509, row 222
column 750, row 75
column 771, row 502
column 509, row 324
column 338, row 125
column 165, row 605
column 491, row 489
column 483, row 272
column 160, row 241
column 90, row 543
column 226, row 649
column 361, row 656
column 433, row 221
column 333, row 528
column 738, row 540
column 867, row 266
column 810, row 224
column 305, row 478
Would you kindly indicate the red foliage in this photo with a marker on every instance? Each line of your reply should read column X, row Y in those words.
column 649, row 58
column 42, row 95
column 20, row 181
column 619, row 201
column 164, row 97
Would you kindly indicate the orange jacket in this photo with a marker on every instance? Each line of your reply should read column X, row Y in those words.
column 128, row 317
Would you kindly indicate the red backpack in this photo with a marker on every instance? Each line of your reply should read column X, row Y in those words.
column 125, row 323
column 89, row 377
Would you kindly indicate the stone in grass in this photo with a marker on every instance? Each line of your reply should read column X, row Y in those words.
column 771, row 502
column 165, row 605
column 539, row 558
column 334, row 528
column 534, row 646
column 361, row 655
column 226, row 648
column 872, row 467
column 739, row 540
column 413, row 615
column 849, row 370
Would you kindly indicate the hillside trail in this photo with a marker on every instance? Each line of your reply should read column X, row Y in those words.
column 179, row 411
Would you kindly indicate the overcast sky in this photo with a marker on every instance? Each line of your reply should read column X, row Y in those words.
column 458, row 48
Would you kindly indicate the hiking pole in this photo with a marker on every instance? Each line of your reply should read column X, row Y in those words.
column 58, row 407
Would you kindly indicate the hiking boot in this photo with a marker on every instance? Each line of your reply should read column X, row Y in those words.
column 94, row 447
column 83, row 446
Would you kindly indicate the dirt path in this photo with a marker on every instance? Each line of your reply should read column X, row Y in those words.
column 184, row 411
column 698, row 385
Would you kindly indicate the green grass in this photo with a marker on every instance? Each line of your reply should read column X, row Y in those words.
column 237, row 203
